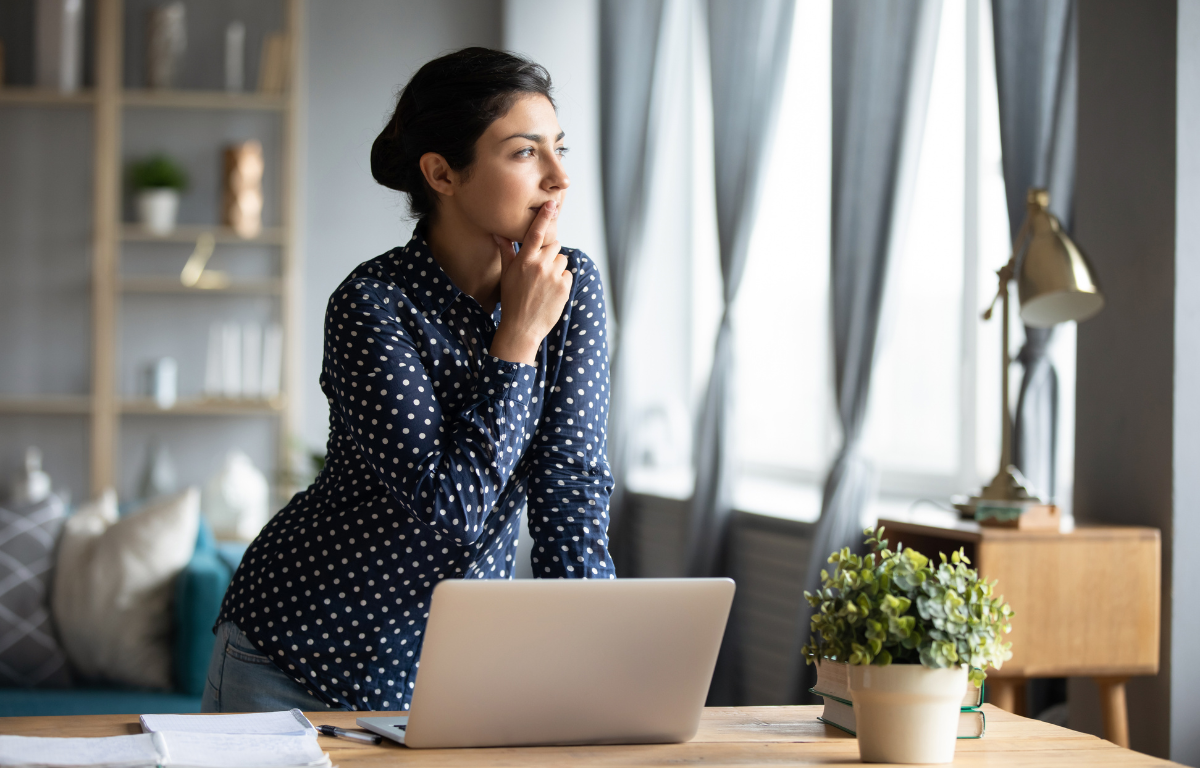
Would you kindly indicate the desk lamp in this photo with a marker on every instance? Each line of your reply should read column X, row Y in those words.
column 1055, row 283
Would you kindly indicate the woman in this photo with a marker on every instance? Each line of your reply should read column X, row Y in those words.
column 467, row 382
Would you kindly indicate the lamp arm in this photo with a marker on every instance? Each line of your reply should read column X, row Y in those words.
column 1009, row 270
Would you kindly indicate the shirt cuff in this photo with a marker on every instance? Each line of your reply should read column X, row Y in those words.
column 502, row 380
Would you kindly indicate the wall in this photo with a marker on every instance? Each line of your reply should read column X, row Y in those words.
column 359, row 54
column 1185, row 600
column 1138, row 187
column 572, row 56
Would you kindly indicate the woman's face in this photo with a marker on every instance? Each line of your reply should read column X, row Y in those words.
column 518, row 167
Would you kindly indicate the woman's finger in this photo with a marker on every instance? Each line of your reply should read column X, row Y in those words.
column 537, row 230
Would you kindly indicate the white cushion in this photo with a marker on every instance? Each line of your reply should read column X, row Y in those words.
column 113, row 587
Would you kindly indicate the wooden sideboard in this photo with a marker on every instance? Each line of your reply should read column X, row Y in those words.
column 1086, row 603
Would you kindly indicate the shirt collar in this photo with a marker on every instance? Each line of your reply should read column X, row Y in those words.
column 420, row 276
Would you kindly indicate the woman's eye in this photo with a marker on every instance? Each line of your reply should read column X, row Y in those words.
column 527, row 152
column 560, row 151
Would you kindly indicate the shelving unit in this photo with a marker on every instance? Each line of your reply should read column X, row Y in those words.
column 113, row 103
column 46, row 406
column 189, row 233
column 265, row 287
column 41, row 97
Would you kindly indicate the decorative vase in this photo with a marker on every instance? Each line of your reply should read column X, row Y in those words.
column 157, row 209
column 166, row 39
column 907, row 713
column 242, row 202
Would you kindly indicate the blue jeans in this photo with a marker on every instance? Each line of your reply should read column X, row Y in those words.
column 242, row 679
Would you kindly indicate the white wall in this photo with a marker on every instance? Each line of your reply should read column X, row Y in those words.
column 565, row 39
column 359, row 54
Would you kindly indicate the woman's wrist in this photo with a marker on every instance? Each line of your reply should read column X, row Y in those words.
column 514, row 347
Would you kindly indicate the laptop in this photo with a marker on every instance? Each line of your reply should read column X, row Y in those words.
column 554, row 662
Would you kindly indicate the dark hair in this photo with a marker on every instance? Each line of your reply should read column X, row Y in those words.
column 445, row 108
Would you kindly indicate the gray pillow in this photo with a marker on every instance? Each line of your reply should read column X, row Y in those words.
column 29, row 652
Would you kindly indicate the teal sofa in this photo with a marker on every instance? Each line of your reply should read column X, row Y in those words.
column 198, row 594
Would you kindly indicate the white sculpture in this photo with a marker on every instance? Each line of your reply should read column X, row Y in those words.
column 30, row 485
column 236, row 499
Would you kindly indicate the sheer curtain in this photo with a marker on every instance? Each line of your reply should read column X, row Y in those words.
column 748, row 49
column 630, row 32
column 883, row 52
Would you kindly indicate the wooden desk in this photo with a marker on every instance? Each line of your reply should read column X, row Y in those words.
column 1086, row 603
column 728, row 736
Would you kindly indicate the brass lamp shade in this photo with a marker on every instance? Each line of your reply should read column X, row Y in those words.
column 1055, row 281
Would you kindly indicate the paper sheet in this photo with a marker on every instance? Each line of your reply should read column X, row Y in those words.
column 286, row 722
column 136, row 750
column 218, row 750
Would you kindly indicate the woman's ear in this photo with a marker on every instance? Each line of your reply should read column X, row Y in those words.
column 440, row 177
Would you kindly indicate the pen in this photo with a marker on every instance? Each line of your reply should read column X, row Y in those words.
column 342, row 733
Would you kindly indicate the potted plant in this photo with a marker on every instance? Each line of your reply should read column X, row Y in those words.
column 157, row 182
column 913, row 633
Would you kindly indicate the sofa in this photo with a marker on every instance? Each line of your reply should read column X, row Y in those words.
column 199, row 590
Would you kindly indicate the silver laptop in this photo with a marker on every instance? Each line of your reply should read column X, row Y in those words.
column 540, row 662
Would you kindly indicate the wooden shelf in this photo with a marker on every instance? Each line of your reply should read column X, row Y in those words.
column 63, row 405
column 45, row 97
column 256, row 286
column 203, row 100
column 204, row 407
column 189, row 233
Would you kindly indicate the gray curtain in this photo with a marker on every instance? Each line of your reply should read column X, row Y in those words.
column 629, row 46
column 882, row 65
column 748, row 50
column 748, row 42
column 1036, row 82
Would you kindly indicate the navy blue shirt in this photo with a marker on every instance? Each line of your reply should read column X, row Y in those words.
column 436, row 452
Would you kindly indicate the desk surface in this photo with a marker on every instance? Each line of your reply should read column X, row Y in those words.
column 744, row 736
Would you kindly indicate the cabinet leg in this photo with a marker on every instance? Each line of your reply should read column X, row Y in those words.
column 1112, row 709
column 1007, row 693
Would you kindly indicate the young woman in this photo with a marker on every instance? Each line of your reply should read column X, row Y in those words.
column 468, row 388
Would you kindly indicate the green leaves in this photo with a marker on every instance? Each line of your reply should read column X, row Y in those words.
column 890, row 606
column 157, row 172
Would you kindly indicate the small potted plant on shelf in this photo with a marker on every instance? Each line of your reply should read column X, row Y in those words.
column 913, row 634
column 157, row 182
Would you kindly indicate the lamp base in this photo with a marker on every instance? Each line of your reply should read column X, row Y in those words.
column 1007, row 502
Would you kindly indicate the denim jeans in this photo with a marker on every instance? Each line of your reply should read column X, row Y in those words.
column 242, row 679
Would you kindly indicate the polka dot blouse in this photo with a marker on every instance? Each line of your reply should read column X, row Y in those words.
column 437, row 450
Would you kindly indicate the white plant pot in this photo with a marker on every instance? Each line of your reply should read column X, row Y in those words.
column 157, row 209
column 906, row 713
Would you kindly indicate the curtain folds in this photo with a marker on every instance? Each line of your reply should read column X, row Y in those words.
column 1036, row 84
column 883, row 53
column 630, row 32
column 748, row 50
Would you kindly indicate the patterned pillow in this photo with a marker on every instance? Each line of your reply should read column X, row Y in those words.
column 29, row 653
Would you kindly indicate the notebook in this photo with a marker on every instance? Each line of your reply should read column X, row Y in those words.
column 169, row 749
column 260, row 739
column 291, row 722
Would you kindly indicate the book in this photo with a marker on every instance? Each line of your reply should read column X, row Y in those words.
column 288, row 722
column 833, row 682
column 972, row 723
column 168, row 749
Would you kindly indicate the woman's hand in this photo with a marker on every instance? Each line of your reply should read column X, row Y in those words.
column 534, row 287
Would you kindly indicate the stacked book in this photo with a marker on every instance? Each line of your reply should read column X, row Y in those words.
column 833, row 686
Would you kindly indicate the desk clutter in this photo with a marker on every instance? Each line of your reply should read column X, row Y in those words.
column 264, row 740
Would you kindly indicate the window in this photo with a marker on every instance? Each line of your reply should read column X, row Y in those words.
column 933, row 426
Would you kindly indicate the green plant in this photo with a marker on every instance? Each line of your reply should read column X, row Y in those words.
column 887, row 607
column 157, row 172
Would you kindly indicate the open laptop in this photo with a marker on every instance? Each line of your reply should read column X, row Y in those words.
column 541, row 662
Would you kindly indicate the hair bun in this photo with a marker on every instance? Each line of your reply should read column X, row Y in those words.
column 388, row 158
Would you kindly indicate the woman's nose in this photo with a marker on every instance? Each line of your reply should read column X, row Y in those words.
column 556, row 176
